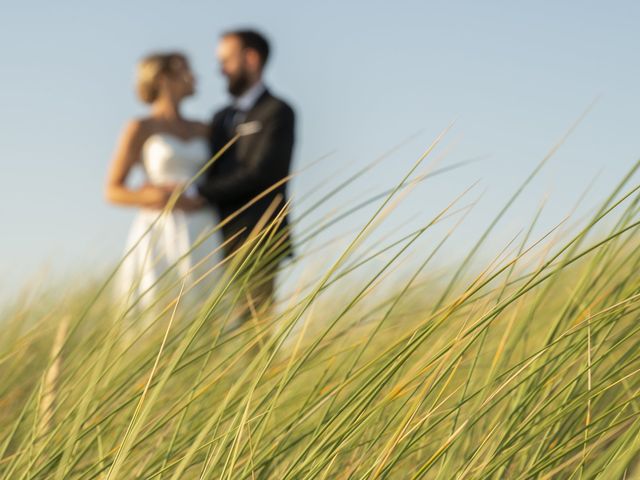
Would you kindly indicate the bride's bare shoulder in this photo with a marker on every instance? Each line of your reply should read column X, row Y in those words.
column 138, row 129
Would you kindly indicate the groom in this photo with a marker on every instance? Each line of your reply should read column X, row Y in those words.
column 259, row 159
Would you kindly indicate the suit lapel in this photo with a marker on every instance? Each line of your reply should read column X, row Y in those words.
column 245, row 143
column 219, row 135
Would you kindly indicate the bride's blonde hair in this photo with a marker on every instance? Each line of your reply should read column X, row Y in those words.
column 151, row 68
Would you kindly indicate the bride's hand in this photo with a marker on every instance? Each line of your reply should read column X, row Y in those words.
column 151, row 196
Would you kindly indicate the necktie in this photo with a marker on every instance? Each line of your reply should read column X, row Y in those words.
column 234, row 118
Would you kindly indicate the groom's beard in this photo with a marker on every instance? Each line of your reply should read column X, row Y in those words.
column 239, row 84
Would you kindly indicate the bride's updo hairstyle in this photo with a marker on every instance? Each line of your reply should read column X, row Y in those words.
column 151, row 68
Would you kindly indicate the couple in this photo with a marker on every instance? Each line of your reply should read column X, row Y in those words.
column 172, row 149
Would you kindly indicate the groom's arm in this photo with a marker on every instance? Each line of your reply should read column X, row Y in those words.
column 215, row 132
column 267, row 163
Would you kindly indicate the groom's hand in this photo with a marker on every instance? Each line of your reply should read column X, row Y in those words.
column 189, row 200
column 190, row 203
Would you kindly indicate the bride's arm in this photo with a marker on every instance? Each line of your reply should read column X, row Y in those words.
column 202, row 129
column 126, row 155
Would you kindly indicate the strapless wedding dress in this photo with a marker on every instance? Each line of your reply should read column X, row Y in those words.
column 167, row 248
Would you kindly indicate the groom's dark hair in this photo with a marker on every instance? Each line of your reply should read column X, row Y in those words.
column 253, row 40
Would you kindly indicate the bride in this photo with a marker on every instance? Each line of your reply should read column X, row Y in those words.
column 171, row 150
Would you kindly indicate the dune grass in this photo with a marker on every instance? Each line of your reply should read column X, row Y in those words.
column 372, row 366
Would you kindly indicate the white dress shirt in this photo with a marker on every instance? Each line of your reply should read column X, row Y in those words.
column 248, row 99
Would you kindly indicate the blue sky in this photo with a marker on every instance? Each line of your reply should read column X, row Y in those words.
column 362, row 76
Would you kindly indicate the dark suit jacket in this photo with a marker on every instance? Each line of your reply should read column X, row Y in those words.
column 253, row 164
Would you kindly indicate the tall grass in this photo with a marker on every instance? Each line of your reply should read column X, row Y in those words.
column 371, row 367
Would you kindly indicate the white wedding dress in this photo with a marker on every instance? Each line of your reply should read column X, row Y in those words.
column 165, row 249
